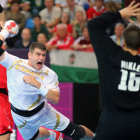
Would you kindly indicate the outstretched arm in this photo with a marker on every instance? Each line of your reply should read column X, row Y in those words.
column 2, row 38
column 102, row 43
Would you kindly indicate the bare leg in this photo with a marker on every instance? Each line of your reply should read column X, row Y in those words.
column 5, row 137
column 89, row 133
column 43, row 134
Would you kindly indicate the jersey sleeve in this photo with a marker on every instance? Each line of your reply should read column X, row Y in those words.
column 8, row 60
column 53, row 84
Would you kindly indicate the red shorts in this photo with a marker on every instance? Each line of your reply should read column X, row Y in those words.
column 6, row 120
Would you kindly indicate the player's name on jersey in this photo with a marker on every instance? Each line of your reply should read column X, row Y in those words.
column 130, row 66
column 24, row 69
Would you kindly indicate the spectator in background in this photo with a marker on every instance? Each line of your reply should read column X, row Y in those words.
column 50, row 15
column 63, row 3
column 78, row 24
column 26, row 41
column 42, row 38
column 83, row 42
column 25, row 8
column 111, row 7
column 118, row 36
column 38, row 28
column 97, row 10
column 136, row 22
column 62, row 40
column 37, row 6
column 72, row 9
column 66, row 20
column 19, row 18
column 14, row 14
column 118, row 3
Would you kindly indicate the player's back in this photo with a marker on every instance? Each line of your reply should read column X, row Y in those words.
column 120, row 80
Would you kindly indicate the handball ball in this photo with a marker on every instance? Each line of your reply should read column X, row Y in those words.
column 12, row 25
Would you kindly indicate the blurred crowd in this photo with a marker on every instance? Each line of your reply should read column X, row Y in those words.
column 61, row 24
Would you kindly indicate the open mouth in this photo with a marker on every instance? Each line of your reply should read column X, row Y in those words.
column 39, row 64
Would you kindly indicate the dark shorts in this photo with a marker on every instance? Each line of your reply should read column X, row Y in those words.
column 118, row 126
column 6, row 120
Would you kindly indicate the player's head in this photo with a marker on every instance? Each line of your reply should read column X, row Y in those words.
column 37, row 55
column 132, row 37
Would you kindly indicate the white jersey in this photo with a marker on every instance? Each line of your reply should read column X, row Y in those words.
column 24, row 96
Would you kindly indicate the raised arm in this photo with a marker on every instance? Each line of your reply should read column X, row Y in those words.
column 102, row 43
column 3, row 34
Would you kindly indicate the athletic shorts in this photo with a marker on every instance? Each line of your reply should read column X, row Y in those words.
column 47, row 117
column 118, row 126
column 6, row 121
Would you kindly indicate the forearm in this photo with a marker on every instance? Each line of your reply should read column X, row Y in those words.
column 2, row 16
column 74, row 34
column 50, row 95
column 53, row 96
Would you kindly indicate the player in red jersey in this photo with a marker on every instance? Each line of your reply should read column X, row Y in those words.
column 6, row 121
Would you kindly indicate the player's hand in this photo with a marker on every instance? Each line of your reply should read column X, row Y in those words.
column 131, row 10
column 31, row 80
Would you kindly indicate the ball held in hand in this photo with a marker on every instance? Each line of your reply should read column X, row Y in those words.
column 12, row 25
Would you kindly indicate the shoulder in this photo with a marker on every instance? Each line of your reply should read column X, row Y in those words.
column 78, row 7
column 113, row 36
column 49, row 71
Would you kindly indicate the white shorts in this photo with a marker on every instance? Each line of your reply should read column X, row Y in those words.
column 47, row 117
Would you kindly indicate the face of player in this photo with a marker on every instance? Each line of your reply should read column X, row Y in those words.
column 49, row 3
column 41, row 38
column 37, row 59
column 119, row 31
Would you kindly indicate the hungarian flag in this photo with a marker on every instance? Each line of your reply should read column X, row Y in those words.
column 74, row 66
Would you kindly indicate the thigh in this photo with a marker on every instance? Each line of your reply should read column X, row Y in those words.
column 55, row 120
column 5, row 136
column 27, row 126
column 6, row 121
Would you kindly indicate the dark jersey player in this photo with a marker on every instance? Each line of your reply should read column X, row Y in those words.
column 6, row 121
column 119, row 74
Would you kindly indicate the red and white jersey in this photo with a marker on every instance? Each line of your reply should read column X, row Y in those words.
column 93, row 12
column 3, row 77
column 61, row 44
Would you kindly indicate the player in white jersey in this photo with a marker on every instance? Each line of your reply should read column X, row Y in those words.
column 30, row 85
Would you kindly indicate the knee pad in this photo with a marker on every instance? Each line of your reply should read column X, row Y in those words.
column 74, row 131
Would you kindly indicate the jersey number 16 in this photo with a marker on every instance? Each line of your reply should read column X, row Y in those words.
column 133, row 83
